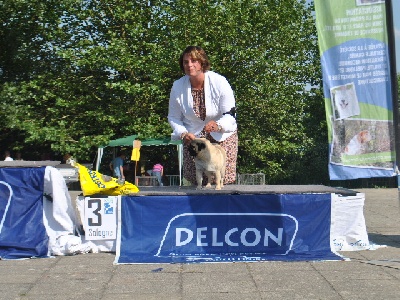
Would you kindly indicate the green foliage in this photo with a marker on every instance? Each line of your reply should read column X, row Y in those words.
column 75, row 74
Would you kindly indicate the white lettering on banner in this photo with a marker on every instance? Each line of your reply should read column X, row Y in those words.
column 214, row 238
column 276, row 239
column 245, row 240
column 256, row 240
column 248, row 237
column 227, row 239
column 7, row 205
column 178, row 241
column 200, row 236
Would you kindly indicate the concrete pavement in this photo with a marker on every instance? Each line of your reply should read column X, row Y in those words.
column 369, row 275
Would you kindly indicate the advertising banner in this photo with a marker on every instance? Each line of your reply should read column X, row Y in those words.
column 22, row 232
column 227, row 228
column 353, row 45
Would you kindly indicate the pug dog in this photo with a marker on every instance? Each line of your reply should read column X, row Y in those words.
column 208, row 158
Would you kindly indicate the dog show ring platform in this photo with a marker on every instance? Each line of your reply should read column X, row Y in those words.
column 238, row 223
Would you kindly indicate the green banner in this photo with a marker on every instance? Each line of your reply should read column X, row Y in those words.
column 353, row 46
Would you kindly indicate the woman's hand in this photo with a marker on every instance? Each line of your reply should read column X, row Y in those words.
column 211, row 126
column 187, row 138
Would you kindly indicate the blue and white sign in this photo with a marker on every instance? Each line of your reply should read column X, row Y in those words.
column 22, row 231
column 101, row 218
column 223, row 228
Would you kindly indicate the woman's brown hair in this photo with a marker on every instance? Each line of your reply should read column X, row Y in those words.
column 196, row 53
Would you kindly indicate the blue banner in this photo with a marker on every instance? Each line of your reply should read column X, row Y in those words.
column 353, row 43
column 22, row 232
column 224, row 228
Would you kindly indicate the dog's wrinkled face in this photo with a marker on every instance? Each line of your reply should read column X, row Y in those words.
column 196, row 147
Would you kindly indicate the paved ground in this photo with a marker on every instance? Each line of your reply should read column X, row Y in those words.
column 369, row 274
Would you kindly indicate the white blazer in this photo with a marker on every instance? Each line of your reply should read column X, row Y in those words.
column 219, row 99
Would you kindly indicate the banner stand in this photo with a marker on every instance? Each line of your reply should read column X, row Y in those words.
column 393, row 80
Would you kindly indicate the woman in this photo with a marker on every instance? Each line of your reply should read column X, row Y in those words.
column 202, row 104
column 158, row 171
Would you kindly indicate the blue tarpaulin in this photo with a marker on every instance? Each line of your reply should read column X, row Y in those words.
column 22, row 232
column 224, row 228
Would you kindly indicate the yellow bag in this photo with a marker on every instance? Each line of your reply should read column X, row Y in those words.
column 136, row 150
column 135, row 154
column 93, row 182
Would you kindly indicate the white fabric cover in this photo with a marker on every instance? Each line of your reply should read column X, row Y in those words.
column 348, row 230
column 59, row 217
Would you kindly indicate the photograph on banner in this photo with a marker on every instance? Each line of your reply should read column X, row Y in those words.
column 363, row 143
column 353, row 42
column 369, row 2
column 344, row 101
column 101, row 218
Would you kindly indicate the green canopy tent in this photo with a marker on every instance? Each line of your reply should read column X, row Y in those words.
column 128, row 141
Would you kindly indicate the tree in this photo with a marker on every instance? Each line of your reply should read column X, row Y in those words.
column 268, row 51
column 103, row 69
column 97, row 82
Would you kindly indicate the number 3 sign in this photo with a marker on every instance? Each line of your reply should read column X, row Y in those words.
column 101, row 218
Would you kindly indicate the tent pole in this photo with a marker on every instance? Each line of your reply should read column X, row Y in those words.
column 136, row 164
column 180, row 159
column 99, row 157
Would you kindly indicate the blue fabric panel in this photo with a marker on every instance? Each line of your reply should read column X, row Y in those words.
column 22, row 232
column 212, row 228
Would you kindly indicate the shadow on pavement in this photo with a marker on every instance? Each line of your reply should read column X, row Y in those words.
column 388, row 240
